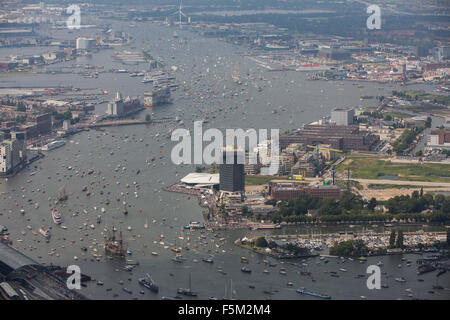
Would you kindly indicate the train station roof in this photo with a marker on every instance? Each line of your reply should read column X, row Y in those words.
column 11, row 259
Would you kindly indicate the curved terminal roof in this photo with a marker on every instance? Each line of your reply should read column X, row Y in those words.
column 201, row 178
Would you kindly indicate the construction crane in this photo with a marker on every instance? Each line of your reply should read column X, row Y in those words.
column 323, row 149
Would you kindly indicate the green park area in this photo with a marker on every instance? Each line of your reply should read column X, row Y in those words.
column 376, row 168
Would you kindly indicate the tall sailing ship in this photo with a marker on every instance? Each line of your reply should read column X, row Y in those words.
column 236, row 75
column 62, row 196
column 114, row 245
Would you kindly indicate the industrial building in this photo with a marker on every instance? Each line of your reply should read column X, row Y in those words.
column 22, row 278
column 342, row 117
column 291, row 190
column 439, row 139
column 337, row 136
column 85, row 43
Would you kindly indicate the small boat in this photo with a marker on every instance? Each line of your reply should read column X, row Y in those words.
column 246, row 270
column 45, row 232
column 208, row 260
column 313, row 294
column 193, row 225
column 178, row 258
column 154, row 253
column 57, row 218
column 149, row 283
column 127, row 290
column 401, row 279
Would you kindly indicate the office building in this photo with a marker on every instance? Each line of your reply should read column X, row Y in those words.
column 115, row 107
column 342, row 117
column 232, row 175
column 85, row 43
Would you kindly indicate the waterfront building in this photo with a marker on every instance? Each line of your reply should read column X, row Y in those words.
column 12, row 151
column 251, row 168
column 5, row 158
column 441, row 53
column 338, row 137
column 85, row 43
column 439, row 139
column 342, row 117
column 115, row 107
column 232, row 176
column 292, row 190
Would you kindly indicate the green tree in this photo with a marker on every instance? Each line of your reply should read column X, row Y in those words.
column 261, row 242
column 399, row 243
column 245, row 211
column 372, row 204
column 392, row 239
column 21, row 107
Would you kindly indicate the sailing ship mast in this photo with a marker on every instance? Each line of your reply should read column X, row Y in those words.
column 236, row 75
column 62, row 196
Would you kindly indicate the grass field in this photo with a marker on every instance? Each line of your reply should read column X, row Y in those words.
column 375, row 168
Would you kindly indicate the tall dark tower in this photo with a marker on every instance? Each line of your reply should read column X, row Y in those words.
column 232, row 176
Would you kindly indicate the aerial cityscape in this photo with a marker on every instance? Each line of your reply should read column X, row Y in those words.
column 224, row 150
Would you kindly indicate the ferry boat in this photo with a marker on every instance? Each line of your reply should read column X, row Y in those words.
column 194, row 225
column 56, row 215
column 157, row 97
column 275, row 47
column 266, row 226
column 53, row 145
column 149, row 283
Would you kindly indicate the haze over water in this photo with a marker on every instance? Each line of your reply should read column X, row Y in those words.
column 206, row 65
